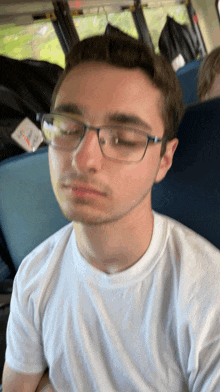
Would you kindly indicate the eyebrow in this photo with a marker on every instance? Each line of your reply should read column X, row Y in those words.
column 116, row 117
column 70, row 108
column 125, row 118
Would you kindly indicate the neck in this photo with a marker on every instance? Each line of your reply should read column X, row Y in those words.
column 115, row 246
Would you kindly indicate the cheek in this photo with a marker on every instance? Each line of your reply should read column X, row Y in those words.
column 53, row 166
column 56, row 167
column 133, row 181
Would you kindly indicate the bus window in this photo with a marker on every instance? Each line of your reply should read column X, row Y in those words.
column 156, row 19
column 36, row 41
column 88, row 25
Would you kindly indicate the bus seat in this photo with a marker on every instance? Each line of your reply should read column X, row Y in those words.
column 188, row 76
column 190, row 192
column 29, row 212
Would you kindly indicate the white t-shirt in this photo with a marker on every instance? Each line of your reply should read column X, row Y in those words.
column 154, row 327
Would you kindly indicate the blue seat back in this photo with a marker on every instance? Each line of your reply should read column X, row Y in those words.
column 188, row 77
column 29, row 212
column 190, row 193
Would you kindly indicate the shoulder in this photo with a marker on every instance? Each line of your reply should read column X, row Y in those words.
column 194, row 262
column 40, row 265
column 186, row 240
column 192, row 258
column 56, row 242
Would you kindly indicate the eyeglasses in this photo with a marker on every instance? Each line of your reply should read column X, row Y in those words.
column 119, row 143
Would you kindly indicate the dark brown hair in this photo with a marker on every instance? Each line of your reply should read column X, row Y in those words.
column 131, row 53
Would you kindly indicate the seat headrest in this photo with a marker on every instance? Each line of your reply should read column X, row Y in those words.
column 190, row 193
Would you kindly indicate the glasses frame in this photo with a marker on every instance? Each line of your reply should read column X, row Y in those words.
column 41, row 117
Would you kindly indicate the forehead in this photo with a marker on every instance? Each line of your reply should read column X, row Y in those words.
column 102, row 88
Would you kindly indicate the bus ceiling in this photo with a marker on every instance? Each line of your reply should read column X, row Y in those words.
column 24, row 11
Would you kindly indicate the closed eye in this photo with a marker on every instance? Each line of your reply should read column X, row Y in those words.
column 125, row 142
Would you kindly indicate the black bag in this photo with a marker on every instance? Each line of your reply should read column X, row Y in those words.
column 26, row 88
column 177, row 39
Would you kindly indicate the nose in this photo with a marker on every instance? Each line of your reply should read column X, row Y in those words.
column 88, row 155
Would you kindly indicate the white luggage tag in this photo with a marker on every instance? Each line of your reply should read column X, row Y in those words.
column 27, row 135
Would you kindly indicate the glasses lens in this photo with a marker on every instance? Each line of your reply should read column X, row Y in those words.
column 62, row 132
column 123, row 144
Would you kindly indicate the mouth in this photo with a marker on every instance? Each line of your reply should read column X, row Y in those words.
column 83, row 192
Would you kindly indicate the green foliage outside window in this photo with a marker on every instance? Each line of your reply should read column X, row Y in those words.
column 39, row 40
column 96, row 24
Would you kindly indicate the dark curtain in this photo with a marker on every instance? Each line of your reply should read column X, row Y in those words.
column 177, row 39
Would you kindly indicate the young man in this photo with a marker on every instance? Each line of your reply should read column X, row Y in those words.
column 209, row 76
column 122, row 299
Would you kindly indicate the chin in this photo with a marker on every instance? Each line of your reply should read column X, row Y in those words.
column 91, row 219
column 85, row 218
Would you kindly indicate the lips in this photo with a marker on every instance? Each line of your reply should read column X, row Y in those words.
column 83, row 191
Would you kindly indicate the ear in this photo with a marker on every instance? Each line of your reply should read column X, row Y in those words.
column 167, row 159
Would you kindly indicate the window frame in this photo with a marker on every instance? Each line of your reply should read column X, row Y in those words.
column 217, row 5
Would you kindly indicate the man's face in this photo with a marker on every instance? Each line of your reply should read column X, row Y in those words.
column 89, row 187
